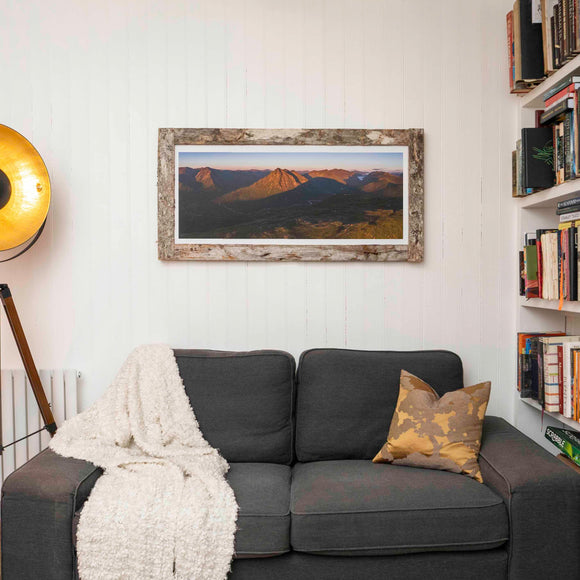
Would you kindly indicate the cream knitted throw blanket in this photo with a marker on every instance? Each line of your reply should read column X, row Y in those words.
column 162, row 508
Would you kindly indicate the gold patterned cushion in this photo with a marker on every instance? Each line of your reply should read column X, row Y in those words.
column 436, row 433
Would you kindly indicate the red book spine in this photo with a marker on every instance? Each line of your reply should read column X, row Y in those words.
column 560, row 380
column 569, row 90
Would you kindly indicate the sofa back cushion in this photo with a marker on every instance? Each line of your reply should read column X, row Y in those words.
column 243, row 401
column 346, row 398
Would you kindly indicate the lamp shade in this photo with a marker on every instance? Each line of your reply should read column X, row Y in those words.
column 24, row 189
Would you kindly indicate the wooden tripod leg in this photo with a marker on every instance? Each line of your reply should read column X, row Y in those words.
column 27, row 359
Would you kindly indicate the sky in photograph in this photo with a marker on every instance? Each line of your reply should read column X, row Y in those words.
column 369, row 161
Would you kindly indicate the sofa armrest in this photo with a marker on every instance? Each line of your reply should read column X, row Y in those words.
column 542, row 496
column 39, row 501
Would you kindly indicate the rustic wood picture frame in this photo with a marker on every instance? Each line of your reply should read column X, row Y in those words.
column 169, row 138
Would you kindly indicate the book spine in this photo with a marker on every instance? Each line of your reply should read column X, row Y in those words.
column 569, row 202
column 553, row 113
column 573, row 262
column 575, row 128
column 571, row 80
column 540, row 263
column 564, row 93
column 510, row 43
column 561, row 32
column 576, row 24
column 565, row 42
column 560, row 381
column 570, row 216
column 566, row 379
column 567, row 149
column 541, row 374
column 569, row 209
column 571, row 34
column 556, row 36
column 561, row 153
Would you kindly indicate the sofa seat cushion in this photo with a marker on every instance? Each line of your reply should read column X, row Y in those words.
column 263, row 494
column 262, row 491
column 356, row 507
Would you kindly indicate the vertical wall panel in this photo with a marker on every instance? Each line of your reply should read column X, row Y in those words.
column 91, row 91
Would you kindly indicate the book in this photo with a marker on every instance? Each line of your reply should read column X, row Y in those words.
column 522, row 274
column 555, row 112
column 510, row 43
column 569, row 202
column 565, row 93
column 528, row 43
column 515, row 190
column 531, row 267
column 570, row 216
column 538, row 158
column 568, row 209
column 566, row 440
column 573, row 261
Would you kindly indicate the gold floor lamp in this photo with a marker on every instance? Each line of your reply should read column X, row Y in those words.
column 24, row 203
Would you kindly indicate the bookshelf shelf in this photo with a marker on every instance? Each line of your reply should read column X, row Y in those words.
column 568, row 308
column 534, row 99
column 549, row 198
column 564, row 420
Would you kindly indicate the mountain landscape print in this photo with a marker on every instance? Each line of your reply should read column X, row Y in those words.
column 291, row 195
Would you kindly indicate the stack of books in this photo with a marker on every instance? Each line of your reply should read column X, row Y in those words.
column 550, row 260
column 561, row 115
column 549, row 371
column 560, row 32
column 567, row 441
column 542, row 36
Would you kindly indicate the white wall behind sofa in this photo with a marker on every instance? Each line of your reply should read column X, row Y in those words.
column 89, row 83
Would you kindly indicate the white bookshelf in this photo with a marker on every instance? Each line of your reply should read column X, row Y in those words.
column 567, row 307
column 535, row 98
column 537, row 211
column 564, row 421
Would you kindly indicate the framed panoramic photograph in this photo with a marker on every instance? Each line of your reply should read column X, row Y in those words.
column 302, row 194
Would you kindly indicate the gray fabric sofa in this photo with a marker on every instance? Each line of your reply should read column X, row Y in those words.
column 312, row 504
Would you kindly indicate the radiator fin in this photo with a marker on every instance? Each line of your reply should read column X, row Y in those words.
column 20, row 414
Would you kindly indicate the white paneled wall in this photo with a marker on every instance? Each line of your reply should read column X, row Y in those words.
column 90, row 83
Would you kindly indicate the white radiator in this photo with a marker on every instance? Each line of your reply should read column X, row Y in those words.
column 20, row 414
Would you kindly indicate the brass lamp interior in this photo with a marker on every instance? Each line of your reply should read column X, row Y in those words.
column 24, row 189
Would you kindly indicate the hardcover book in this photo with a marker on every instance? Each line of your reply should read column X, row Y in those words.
column 529, row 51
column 538, row 158
column 531, row 266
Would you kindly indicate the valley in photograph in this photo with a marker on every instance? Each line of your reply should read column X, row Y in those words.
column 253, row 195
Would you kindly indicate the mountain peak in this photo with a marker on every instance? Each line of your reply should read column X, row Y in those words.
column 275, row 182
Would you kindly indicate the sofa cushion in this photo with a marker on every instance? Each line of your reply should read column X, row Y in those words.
column 356, row 507
column 263, row 494
column 262, row 491
column 346, row 398
column 242, row 401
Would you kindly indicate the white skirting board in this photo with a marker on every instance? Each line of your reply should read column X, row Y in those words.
column 21, row 416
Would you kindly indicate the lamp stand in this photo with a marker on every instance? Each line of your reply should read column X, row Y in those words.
column 29, row 366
